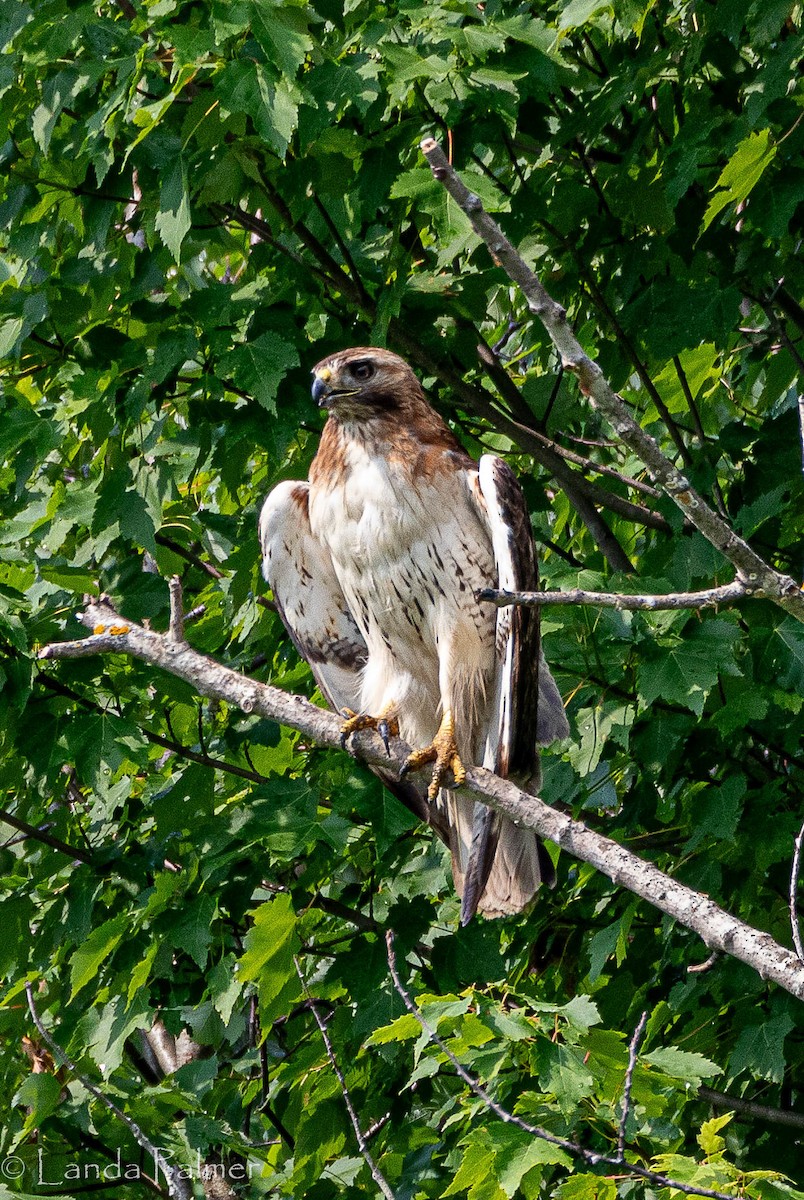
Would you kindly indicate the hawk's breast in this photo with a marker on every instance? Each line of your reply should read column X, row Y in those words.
column 410, row 553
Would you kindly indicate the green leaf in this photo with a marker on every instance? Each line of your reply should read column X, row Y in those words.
column 41, row 1093
column 587, row 1187
column 268, row 958
column 173, row 219
column 517, row 1152
column 718, row 810
column 86, row 961
column 681, row 1064
column 401, row 1030
column 760, row 1049
column 580, row 12
column 194, row 932
column 685, row 671
column 741, row 174
column 142, row 971
column 709, row 1138
column 475, row 1173
column 562, row 1073
column 260, row 366
column 282, row 33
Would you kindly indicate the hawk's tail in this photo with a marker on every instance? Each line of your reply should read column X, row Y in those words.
column 497, row 866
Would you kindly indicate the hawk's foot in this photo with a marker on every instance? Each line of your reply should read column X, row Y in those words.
column 386, row 724
column 443, row 751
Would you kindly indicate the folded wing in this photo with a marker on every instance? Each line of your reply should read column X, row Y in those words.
column 506, row 862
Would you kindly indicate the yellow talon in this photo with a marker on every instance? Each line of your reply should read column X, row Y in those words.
column 443, row 751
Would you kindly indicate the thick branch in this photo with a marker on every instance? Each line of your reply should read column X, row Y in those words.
column 729, row 593
column 717, row 928
column 750, row 567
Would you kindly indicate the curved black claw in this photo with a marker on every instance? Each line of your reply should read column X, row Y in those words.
column 387, row 726
column 350, row 715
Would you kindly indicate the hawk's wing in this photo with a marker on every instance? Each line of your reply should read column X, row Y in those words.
column 308, row 598
column 527, row 710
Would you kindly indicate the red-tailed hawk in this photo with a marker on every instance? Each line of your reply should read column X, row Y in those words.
column 375, row 564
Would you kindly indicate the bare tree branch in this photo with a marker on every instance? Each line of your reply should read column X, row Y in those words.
column 588, row 1156
column 728, row 593
column 176, row 629
column 376, row 1173
column 718, row 928
column 633, row 1050
column 177, row 1178
column 794, row 925
column 40, row 835
column 772, row 584
column 706, row 965
column 749, row 1108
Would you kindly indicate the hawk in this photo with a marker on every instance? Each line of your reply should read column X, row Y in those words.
column 374, row 564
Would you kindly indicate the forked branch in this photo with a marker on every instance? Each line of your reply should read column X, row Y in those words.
column 178, row 1179
column 591, row 1157
column 751, row 568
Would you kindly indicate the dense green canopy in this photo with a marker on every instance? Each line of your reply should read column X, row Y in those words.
column 200, row 199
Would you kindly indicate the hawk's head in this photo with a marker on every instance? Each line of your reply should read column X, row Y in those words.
column 364, row 382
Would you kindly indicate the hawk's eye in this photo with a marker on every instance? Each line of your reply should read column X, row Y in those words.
column 362, row 370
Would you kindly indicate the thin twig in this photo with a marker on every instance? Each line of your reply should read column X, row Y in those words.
column 749, row 1108
column 188, row 555
column 629, row 1079
column 512, row 327
column 156, row 739
column 176, row 627
column 39, row 835
column 178, row 1181
column 750, row 566
column 726, row 594
column 572, row 1148
column 376, row 1174
column 706, row 965
column 341, row 243
column 699, row 430
column 794, row 925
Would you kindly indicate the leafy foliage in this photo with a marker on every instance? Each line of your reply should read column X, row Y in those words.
column 197, row 201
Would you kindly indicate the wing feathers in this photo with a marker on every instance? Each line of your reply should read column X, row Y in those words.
column 308, row 596
column 506, row 863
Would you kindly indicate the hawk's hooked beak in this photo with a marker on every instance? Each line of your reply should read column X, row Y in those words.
column 321, row 389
